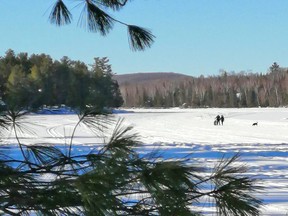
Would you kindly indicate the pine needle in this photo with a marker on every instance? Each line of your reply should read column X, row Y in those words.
column 60, row 14
column 98, row 20
column 140, row 38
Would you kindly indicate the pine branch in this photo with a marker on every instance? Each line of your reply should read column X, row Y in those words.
column 139, row 38
column 113, row 4
column 97, row 19
column 60, row 15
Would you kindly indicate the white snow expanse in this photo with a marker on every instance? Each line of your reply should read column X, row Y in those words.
column 264, row 148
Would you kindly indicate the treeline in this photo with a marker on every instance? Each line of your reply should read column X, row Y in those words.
column 225, row 90
column 36, row 80
column 28, row 82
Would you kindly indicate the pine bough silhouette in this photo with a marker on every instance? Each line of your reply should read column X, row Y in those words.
column 115, row 179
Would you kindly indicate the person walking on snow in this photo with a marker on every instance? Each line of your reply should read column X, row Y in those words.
column 218, row 119
column 222, row 119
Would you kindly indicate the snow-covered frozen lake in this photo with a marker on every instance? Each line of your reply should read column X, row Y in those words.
column 179, row 132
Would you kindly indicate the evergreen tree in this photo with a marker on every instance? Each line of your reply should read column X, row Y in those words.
column 35, row 81
column 104, row 91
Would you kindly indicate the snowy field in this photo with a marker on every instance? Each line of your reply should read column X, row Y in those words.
column 179, row 132
column 264, row 148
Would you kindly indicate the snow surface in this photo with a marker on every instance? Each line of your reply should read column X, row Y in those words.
column 264, row 148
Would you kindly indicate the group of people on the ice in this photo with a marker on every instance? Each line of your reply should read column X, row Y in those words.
column 219, row 120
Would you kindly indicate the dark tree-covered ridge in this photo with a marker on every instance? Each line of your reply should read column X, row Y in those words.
column 28, row 82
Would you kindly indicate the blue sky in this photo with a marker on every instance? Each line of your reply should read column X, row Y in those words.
column 193, row 37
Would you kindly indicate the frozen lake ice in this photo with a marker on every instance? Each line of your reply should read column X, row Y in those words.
column 181, row 132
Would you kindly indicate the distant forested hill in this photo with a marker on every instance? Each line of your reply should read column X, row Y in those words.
column 148, row 77
column 225, row 90
column 151, row 89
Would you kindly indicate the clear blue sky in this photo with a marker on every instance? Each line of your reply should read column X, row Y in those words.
column 193, row 37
